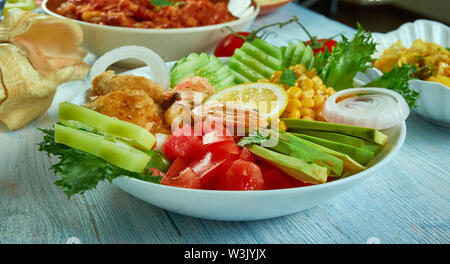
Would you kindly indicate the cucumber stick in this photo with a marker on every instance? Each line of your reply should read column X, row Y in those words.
column 298, row 54
column 256, row 60
column 203, row 65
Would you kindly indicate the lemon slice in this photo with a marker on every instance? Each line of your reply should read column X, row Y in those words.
column 268, row 98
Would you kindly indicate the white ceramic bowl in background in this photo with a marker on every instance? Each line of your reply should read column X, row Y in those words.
column 250, row 205
column 170, row 44
column 434, row 100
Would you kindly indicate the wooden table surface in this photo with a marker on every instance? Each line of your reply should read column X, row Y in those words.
column 407, row 201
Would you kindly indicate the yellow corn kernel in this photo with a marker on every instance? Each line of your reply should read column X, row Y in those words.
column 285, row 114
column 330, row 91
column 275, row 77
column 299, row 70
column 308, row 118
column 307, row 94
column 294, row 92
column 308, row 102
column 319, row 91
column 317, row 80
column 307, row 85
column 283, row 126
column 293, row 104
column 307, row 112
column 311, row 73
column 318, row 100
column 295, row 114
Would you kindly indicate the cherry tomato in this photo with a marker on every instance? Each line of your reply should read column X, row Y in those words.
column 326, row 44
column 183, row 144
column 241, row 176
column 227, row 45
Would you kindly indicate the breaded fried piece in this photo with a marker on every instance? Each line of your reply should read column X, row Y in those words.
column 133, row 106
column 108, row 82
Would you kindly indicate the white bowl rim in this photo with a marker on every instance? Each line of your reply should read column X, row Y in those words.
column 389, row 156
column 157, row 30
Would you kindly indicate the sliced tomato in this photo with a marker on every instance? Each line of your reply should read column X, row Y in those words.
column 156, row 172
column 217, row 135
column 177, row 166
column 246, row 155
column 275, row 179
column 241, row 176
column 207, row 169
column 184, row 144
column 181, row 176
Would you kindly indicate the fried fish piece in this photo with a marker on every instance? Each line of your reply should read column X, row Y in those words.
column 134, row 106
column 108, row 82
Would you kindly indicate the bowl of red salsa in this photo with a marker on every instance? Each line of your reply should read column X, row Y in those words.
column 172, row 30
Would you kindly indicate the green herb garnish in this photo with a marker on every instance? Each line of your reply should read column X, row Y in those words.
column 397, row 80
column 288, row 77
column 258, row 137
column 162, row 3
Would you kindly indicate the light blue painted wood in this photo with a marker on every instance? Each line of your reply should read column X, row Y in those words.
column 407, row 201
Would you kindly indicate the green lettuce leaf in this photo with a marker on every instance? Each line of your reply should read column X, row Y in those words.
column 80, row 171
column 338, row 69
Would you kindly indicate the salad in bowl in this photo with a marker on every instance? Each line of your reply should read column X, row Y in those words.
column 266, row 132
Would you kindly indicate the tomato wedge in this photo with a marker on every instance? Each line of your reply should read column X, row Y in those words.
column 241, row 176
column 181, row 176
column 208, row 168
column 183, row 144
column 274, row 179
column 246, row 155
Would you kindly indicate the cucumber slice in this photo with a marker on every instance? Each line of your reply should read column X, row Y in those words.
column 267, row 48
column 288, row 54
column 253, row 63
column 265, row 58
column 244, row 70
column 308, row 56
column 187, row 68
column 298, row 54
column 239, row 78
column 203, row 65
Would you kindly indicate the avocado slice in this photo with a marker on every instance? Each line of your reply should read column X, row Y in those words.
column 350, row 165
column 293, row 151
column 341, row 138
column 322, row 158
column 358, row 154
column 305, row 171
column 369, row 134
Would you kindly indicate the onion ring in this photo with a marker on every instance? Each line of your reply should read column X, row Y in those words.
column 159, row 71
column 376, row 108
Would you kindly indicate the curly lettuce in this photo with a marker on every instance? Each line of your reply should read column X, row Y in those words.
column 338, row 68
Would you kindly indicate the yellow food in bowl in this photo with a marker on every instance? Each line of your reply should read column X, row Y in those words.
column 432, row 60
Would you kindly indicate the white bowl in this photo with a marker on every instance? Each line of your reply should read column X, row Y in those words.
column 170, row 44
column 433, row 104
column 250, row 205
